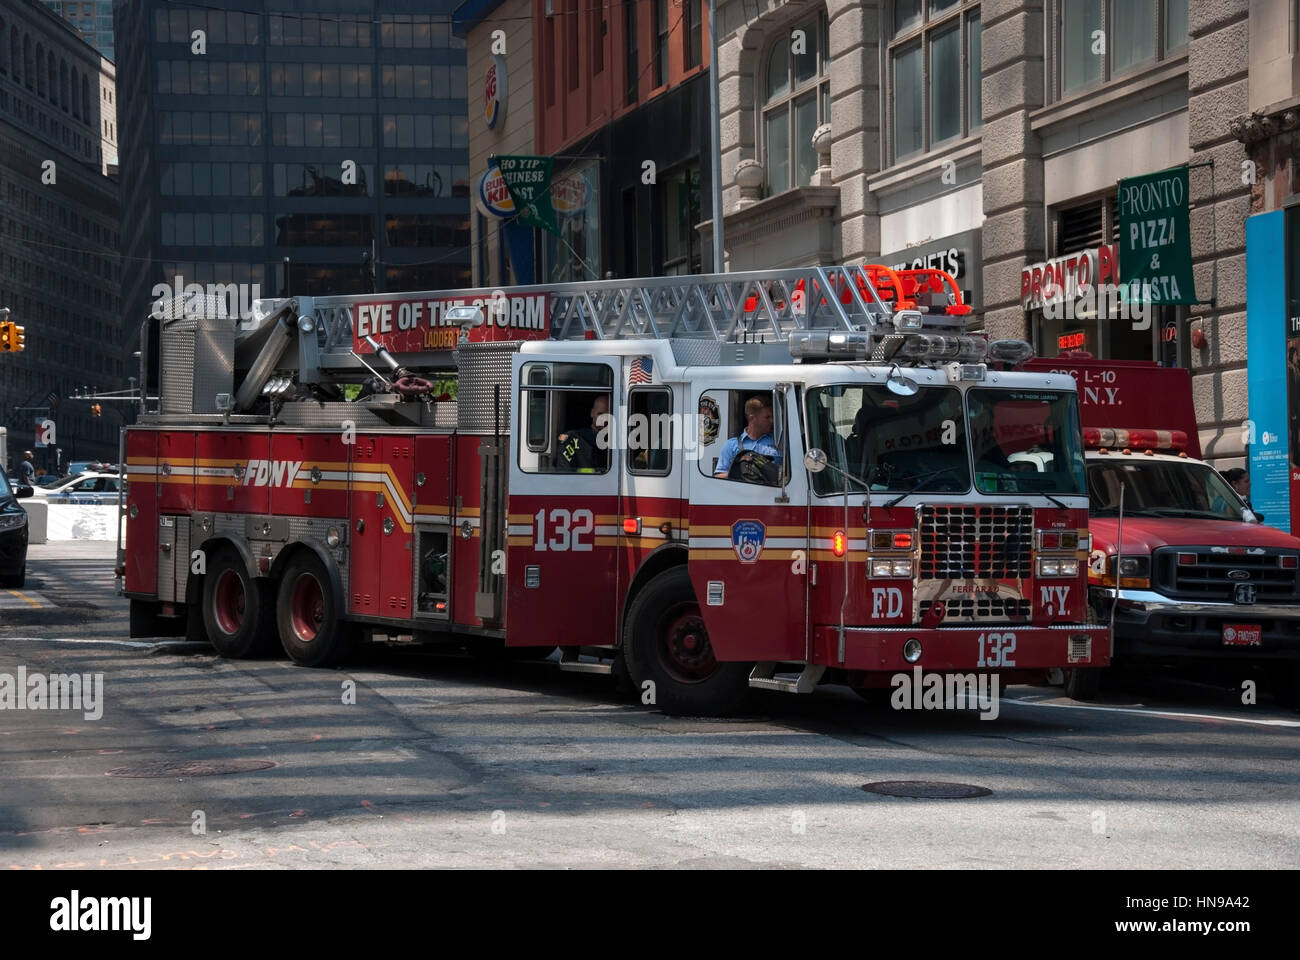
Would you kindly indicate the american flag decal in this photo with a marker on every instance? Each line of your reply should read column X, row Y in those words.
column 641, row 371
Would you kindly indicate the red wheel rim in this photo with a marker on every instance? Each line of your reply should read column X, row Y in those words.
column 306, row 608
column 684, row 649
column 229, row 602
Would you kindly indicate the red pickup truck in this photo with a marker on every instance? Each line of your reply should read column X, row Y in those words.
column 1198, row 578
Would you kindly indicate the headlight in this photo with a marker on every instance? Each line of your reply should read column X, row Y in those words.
column 903, row 568
column 1134, row 566
column 12, row 521
column 882, row 568
column 1052, row 567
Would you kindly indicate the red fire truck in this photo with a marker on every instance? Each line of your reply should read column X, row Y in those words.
column 1201, row 581
column 595, row 484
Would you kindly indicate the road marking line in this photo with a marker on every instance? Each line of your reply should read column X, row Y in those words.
column 1155, row 713
column 135, row 644
column 22, row 596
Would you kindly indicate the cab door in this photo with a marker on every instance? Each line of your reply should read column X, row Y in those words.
column 562, row 512
column 749, row 548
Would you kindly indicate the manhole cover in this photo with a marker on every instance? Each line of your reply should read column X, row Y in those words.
column 191, row 768
column 926, row 789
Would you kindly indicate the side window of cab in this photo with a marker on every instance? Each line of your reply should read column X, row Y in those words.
column 567, row 425
column 738, row 436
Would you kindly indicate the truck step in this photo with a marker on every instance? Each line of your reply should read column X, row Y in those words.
column 569, row 660
column 763, row 677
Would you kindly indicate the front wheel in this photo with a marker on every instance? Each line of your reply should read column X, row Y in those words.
column 15, row 581
column 311, row 631
column 1082, row 683
column 667, row 645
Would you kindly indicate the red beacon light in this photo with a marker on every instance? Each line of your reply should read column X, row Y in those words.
column 1097, row 438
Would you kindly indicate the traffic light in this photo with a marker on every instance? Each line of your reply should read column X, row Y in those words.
column 11, row 337
column 96, row 410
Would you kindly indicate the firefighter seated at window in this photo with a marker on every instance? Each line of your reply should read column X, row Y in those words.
column 752, row 456
column 579, row 450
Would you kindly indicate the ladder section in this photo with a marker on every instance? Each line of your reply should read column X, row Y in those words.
column 767, row 305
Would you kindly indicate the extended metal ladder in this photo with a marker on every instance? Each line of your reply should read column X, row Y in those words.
column 762, row 306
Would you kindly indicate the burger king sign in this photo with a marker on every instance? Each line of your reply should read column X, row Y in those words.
column 494, row 92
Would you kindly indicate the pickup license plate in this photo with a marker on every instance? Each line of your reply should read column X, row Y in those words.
column 1242, row 634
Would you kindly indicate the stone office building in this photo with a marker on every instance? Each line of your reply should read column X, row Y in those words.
column 987, row 137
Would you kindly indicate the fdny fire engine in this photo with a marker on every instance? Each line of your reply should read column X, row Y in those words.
column 713, row 483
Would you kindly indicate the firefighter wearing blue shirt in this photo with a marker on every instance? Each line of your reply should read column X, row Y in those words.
column 756, row 437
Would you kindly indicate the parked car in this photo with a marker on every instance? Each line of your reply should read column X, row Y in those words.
column 84, row 488
column 13, row 534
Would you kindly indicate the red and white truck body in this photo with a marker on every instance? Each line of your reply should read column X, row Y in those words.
column 263, row 503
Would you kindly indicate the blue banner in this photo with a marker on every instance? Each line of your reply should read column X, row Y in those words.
column 1266, row 432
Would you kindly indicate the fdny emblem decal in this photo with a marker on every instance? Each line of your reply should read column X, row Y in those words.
column 747, row 537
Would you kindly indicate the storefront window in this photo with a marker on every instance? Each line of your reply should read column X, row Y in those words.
column 575, row 254
column 681, row 212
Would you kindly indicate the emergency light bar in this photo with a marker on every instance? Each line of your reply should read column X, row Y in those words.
column 1117, row 437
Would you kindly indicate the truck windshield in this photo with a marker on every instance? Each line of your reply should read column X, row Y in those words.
column 1161, row 488
column 1026, row 441
column 894, row 443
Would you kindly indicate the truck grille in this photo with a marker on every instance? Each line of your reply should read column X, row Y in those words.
column 980, row 607
column 1208, row 578
column 976, row 543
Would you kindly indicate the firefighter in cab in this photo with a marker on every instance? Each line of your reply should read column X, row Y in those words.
column 580, row 450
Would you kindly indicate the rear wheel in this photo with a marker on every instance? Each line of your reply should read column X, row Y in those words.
column 1286, row 688
column 667, row 644
column 311, row 631
column 237, row 608
column 15, row 581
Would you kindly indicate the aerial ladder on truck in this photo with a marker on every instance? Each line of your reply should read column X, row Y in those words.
column 266, row 506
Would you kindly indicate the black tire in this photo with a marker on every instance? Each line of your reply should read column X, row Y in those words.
column 665, row 643
column 877, row 698
column 238, row 610
column 1082, row 683
column 1286, row 686
column 16, row 581
column 310, row 629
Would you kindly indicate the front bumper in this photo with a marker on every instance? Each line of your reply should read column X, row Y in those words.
column 1151, row 626
column 992, row 648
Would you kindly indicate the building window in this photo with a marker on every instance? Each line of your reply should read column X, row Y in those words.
column 681, row 212
column 934, row 73
column 1097, row 40
column 633, row 74
column 661, row 42
column 693, row 34
column 796, row 102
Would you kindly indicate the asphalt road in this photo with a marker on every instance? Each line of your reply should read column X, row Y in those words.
column 442, row 761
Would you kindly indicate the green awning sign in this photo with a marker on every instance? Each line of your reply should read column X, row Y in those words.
column 529, row 181
column 1155, row 242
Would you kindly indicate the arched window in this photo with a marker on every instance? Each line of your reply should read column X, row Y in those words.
column 85, row 98
column 54, row 81
column 15, row 57
column 29, row 68
column 796, row 101
column 4, row 48
column 63, row 85
column 40, row 70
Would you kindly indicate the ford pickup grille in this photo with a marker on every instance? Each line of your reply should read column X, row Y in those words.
column 1215, row 575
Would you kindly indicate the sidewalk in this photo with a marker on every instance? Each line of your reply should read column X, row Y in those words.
column 71, row 550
